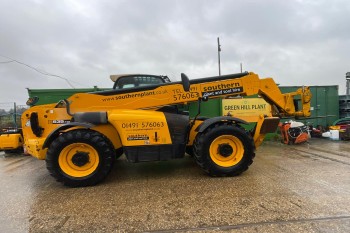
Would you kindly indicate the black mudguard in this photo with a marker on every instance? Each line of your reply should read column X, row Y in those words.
column 202, row 127
column 56, row 132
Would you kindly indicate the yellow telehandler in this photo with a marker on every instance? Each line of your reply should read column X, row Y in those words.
column 81, row 136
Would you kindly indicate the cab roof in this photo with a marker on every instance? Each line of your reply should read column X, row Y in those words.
column 115, row 77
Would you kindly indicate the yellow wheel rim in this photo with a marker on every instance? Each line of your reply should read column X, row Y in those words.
column 78, row 160
column 226, row 150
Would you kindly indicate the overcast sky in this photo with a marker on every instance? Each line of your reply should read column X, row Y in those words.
column 297, row 42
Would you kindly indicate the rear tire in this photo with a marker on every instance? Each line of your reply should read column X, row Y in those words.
column 80, row 158
column 224, row 150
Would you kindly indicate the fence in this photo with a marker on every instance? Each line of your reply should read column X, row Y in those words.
column 10, row 115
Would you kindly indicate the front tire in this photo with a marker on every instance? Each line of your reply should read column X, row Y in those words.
column 224, row 150
column 80, row 158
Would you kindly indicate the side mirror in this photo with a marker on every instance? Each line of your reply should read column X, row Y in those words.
column 185, row 82
column 32, row 101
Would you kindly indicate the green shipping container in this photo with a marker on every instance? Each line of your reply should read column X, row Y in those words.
column 324, row 104
column 48, row 96
column 210, row 108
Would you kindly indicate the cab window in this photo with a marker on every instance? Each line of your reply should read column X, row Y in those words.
column 138, row 81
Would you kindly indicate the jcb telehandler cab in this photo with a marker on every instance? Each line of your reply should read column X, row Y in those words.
column 80, row 137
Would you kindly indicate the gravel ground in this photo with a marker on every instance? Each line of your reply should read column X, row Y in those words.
column 299, row 188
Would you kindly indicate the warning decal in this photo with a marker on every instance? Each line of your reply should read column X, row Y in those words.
column 134, row 137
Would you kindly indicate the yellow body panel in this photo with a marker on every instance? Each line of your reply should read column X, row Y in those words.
column 34, row 147
column 11, row 141
column 50, row 118
column 140, row 127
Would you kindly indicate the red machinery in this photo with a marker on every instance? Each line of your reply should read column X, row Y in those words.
column 294, row 132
